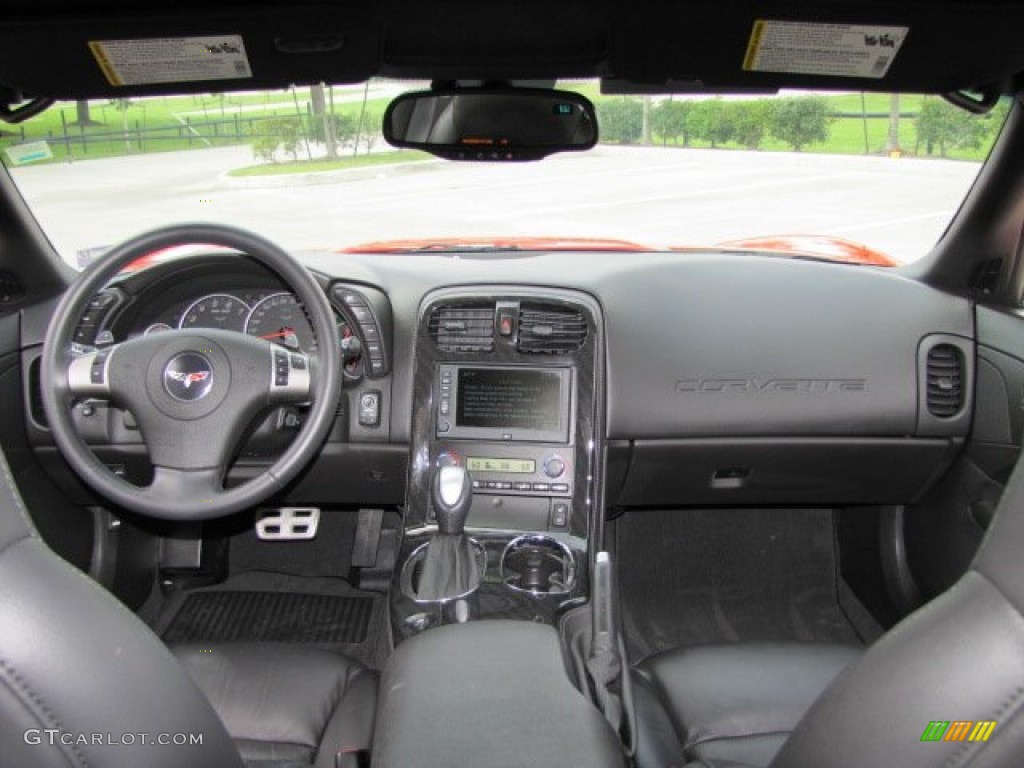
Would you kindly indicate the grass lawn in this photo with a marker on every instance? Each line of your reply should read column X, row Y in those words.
column 316, row 166
column 169, row 123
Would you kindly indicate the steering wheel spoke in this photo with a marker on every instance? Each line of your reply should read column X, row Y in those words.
column 194, row 487
column 290, row 377
column 89, row 374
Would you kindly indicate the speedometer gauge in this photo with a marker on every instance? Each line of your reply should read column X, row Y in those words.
column 282, row 319
column 218, row 310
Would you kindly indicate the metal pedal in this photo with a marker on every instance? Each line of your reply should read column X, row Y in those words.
column 287, row 523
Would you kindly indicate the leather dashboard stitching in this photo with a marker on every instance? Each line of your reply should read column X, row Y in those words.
column 39, row 710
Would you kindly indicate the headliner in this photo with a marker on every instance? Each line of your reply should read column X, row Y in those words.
column 950, row 45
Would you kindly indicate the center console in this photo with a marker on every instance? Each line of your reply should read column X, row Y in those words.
column 489, row 694
column 507, row 387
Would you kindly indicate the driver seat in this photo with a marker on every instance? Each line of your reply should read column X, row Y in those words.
column 84, row 683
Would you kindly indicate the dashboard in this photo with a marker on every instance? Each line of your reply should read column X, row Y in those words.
column 706, row 378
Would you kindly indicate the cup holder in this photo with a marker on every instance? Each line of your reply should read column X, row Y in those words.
column 413, row 569
column 539, row 565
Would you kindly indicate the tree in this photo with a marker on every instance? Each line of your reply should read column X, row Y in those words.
column 323, row 125
column 710, row 121
column 344, row 128
column 800, row 121
column 621, row 120
column 372, row 130
column 892, row 142
column 940, row 123
column 122, row 106
column 274, row 133
column 750, row 121
column 82, row 116
column 668, row 120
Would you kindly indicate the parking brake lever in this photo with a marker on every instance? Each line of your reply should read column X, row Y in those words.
column 609, row 680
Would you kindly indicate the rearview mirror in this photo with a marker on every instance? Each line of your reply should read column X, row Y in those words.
column 491, row 125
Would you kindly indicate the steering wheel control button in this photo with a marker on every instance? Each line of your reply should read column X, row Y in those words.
column 291, row 376
column 88, row 374
column 98, row 369
column 281, row 368
column 188, row 377
column 369, row 408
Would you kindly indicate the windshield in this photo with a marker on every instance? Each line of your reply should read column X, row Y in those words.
column 309, row 169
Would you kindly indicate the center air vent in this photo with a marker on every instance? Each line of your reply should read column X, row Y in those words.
column 550, row 330
column 945, row 381
column 463, row 328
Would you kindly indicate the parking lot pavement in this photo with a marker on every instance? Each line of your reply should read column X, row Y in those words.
column 657, row 196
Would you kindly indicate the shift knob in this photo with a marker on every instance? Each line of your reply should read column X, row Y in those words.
column 452, row 493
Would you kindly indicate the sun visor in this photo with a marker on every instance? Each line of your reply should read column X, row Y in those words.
column 928, row 47
column 115, row 56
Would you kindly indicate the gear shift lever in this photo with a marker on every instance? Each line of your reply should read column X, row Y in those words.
column 450, row 565
column 452, row 493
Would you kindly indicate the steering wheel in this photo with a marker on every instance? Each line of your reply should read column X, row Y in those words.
column 193, row 392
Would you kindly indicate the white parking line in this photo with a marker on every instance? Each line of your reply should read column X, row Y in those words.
column 891, row 222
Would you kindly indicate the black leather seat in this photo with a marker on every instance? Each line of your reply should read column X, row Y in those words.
column 82, row 679
column 959, row 658
column 732, row 702
column 286, row 703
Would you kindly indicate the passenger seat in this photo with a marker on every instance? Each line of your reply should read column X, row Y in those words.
column 728, row 706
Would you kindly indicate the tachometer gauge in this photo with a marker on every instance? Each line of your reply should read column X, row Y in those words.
column 218, row 310
column 282, row 319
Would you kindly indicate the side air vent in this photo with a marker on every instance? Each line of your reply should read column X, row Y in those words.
column 550, row 330
column 463, row 328
column 945, row 381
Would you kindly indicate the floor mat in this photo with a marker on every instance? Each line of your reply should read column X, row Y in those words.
column 226, row 616
column 690, row 577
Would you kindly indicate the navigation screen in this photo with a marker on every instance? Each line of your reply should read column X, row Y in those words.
column 508, row 399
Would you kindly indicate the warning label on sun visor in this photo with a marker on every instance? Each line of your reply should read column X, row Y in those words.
column 171, row 59
column 837, row 50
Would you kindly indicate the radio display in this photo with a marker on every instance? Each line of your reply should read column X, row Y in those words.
column 507, row 398
column 491, row 464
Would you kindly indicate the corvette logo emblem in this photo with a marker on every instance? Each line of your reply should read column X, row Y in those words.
column 188, row 377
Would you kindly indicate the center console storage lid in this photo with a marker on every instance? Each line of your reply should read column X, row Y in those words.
column 490, row 694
